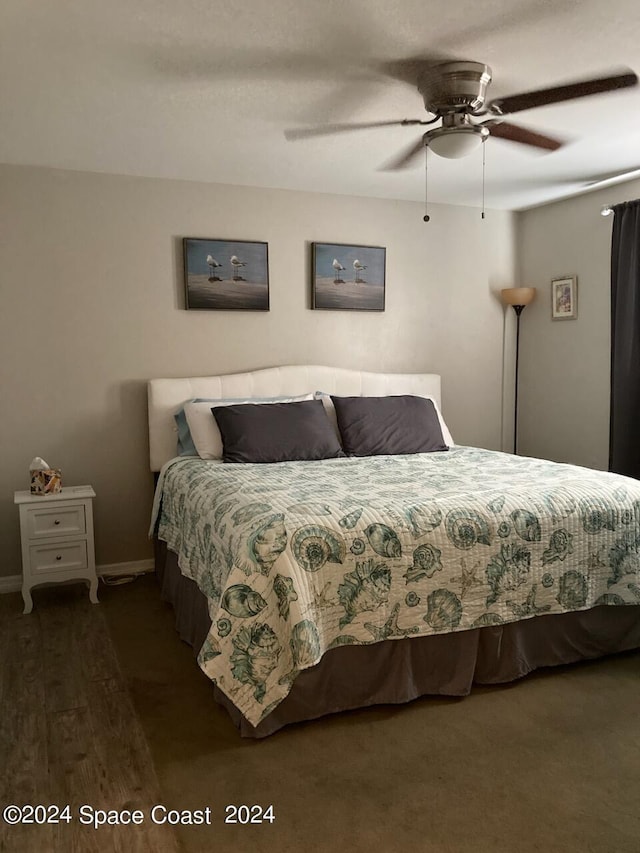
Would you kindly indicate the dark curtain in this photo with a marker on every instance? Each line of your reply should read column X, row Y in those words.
column 624, row 436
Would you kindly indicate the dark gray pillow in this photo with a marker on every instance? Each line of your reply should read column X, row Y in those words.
column 376, row 426
column 276, row 432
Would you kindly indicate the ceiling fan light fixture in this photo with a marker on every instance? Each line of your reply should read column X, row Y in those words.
column 456, row 142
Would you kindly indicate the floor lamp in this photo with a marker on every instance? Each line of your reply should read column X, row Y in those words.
column 518, row 298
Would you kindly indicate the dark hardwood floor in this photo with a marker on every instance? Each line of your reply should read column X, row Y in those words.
column 68, row 730
column 104, row 705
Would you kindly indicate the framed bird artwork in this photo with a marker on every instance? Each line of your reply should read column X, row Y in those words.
column 348, row 278
column 226, row 275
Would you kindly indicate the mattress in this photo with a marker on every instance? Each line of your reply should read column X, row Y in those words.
column 300, row 561
column 394, row 672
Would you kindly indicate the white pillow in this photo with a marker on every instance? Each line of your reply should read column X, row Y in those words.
column 204, row 429
column 330, row 409
column 327, row 402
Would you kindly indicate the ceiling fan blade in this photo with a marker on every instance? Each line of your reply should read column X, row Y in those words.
column 556, row 94
column 405, row 158
column 340, row 103
column 199, row 63
column 328, row 129
column 515, row 133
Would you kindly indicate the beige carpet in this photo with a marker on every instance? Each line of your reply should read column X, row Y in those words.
column 551, row 763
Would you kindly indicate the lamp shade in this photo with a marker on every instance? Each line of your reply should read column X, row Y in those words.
column 518, row 295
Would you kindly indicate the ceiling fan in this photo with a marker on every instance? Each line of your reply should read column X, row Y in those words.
column 454, row 93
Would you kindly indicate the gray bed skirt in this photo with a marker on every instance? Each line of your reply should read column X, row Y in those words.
column 397, row 671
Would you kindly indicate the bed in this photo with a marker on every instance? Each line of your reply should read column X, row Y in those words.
column 312, row 587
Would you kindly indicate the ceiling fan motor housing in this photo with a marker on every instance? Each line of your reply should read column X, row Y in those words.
column 457, row 85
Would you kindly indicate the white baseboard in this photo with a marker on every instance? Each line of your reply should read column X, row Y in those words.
column 13, row 583
column 136, row 567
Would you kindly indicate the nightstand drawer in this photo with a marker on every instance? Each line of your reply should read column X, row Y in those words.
column 55, row 521
column 62, row 557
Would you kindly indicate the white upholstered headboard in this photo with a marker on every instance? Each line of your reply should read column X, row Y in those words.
column 166, row 396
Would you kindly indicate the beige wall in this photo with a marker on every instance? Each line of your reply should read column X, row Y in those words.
column 92, row 306
column 565, row 365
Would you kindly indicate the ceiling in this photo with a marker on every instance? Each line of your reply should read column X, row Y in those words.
column 204, row 89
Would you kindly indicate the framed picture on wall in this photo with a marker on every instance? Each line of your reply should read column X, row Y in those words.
column 564, row 298
column 226, row 275
column 348, row 278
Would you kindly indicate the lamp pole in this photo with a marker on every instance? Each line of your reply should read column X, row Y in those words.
column 518, row 298
column 518, row 309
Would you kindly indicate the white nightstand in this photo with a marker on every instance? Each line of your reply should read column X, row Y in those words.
column 57, row 539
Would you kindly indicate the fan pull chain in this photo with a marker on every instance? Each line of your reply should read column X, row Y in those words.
column 483, row 165
column 426, row 216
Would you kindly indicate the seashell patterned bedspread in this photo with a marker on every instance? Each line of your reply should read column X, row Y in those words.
column 299, row 557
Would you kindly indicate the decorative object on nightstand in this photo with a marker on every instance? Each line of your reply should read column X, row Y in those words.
column 56, row 532
column 518, row 298
column 45, row 480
